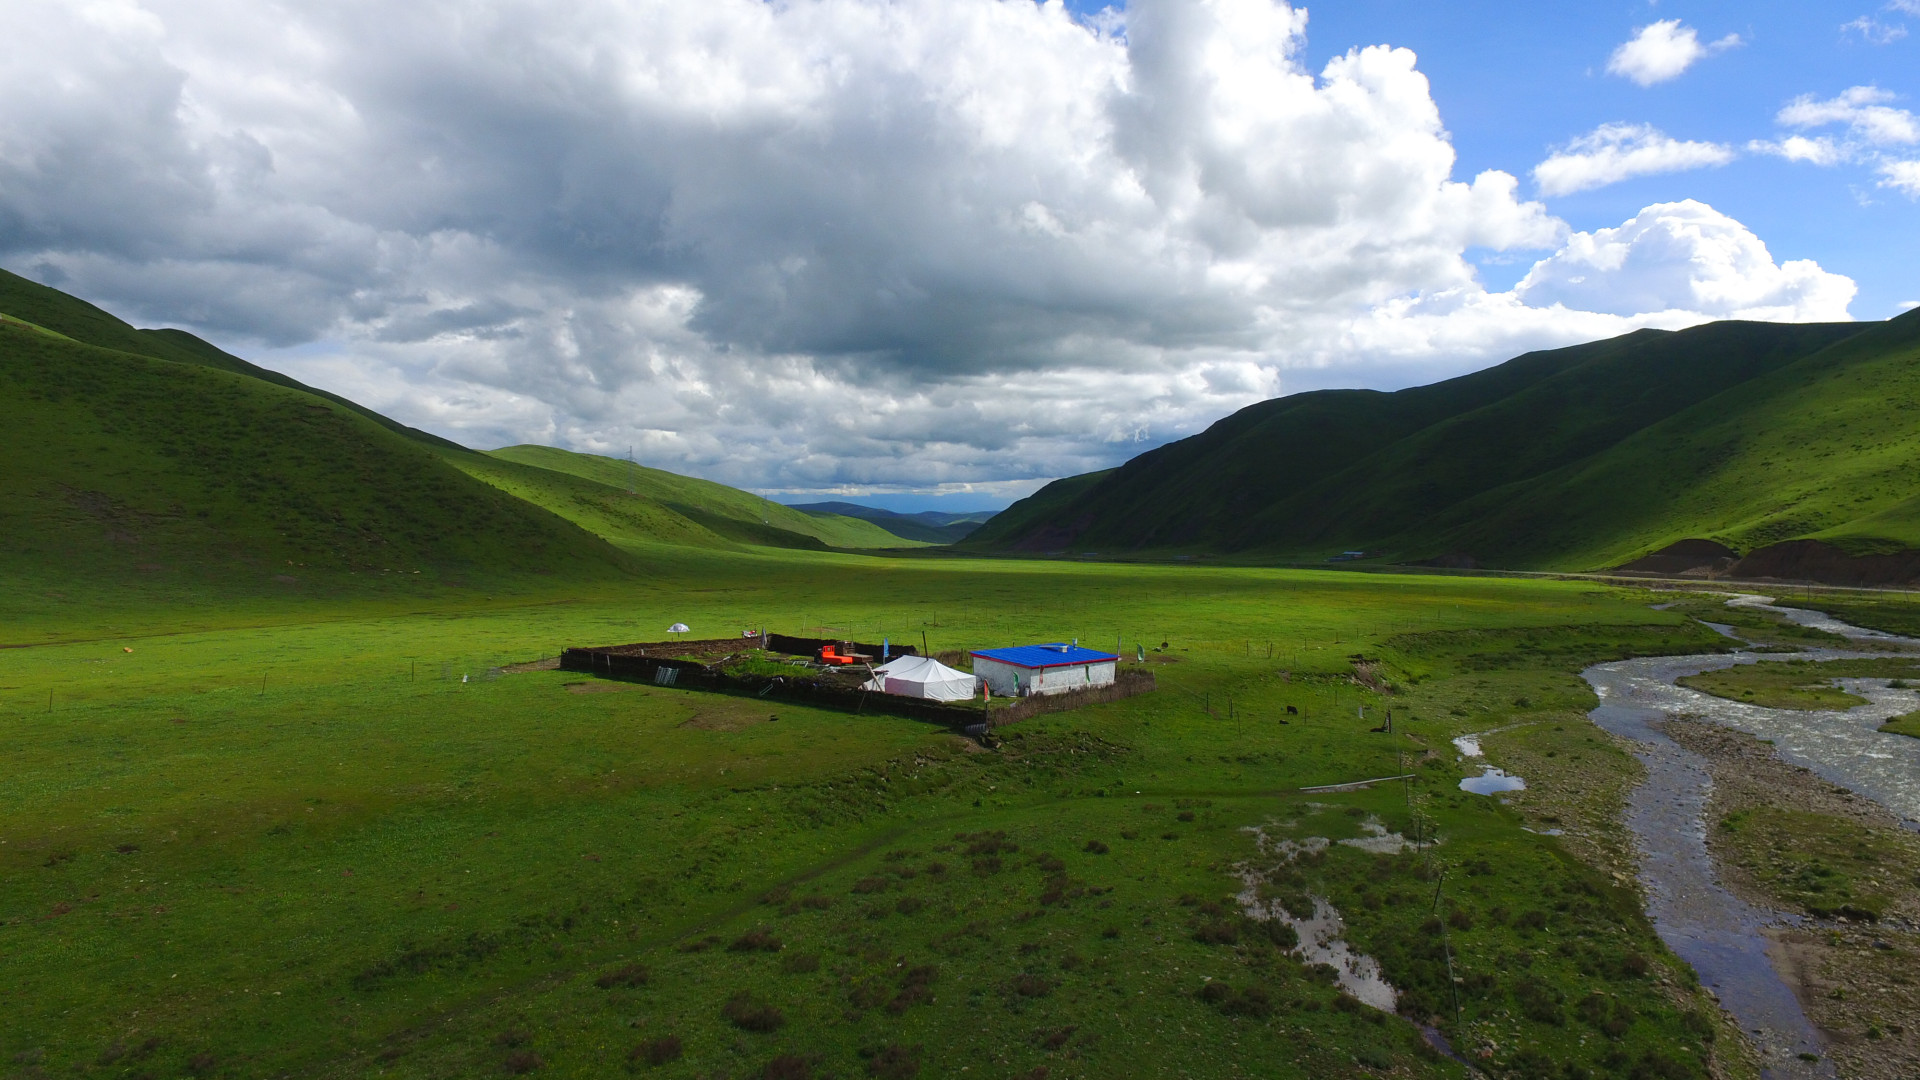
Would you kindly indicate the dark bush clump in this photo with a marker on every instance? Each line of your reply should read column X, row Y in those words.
column 895, row 1062
column 1029, row 985
column 1530, row 921
column 1635, row 966
column 1460, row 919
column 756, row 940
column 986, row 865
column 916, row 987
column 512, row 1038
column 521, row 1061
column 1538, row 1001
column 657, row 1051
column 1053, row 1038
column 909, row 905
column 800, row 963
column 870, row 885
column 1217, row 932
column 748, row 1013
column 201, row 1063
column 624, row 975
column 1095, row 847
column 1283, row 934
column 788, row 1067
column 988, row 843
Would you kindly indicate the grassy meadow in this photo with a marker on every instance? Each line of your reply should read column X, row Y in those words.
column 338, row 835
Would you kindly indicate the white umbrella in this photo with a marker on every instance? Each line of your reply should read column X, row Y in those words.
column 678, row 628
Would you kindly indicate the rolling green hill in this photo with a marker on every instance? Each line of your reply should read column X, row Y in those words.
column 124, row 467
column 1747, row 434
column 74, row 318
column 716, row 509
column 149, row 459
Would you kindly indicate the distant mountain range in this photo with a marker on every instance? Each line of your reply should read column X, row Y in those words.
column 927, row 526
column 1788, row 448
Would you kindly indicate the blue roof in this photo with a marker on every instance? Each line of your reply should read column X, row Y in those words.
column 1058, row 654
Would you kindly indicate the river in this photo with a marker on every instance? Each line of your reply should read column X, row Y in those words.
column 1713, row 930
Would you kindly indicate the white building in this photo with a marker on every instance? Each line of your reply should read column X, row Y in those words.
column 1043, row 669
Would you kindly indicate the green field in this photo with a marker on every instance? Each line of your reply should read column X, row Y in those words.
column 340, row 840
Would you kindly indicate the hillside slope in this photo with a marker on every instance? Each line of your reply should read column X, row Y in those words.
column 126, row 467
column 1745, row 433
column 76, row 319
column 720, row 511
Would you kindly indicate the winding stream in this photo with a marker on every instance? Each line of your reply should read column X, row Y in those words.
column 1713, row 930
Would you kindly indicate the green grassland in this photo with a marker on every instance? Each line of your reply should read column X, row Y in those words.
column 345, row 841
column 1818, row 863
column 1798, row 684
column 1744, row 433
column 1904, row 725
column 716, row 508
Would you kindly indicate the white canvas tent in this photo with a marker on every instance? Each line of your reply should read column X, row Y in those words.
column 921, row 677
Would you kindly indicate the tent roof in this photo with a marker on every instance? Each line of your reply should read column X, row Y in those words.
column 921, row 669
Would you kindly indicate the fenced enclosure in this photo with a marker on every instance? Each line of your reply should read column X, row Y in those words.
column 645, row 662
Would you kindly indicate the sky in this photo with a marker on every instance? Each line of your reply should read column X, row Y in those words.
column 934, row 253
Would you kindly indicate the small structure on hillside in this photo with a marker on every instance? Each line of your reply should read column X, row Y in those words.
column 1025, row 670
column 922, row 677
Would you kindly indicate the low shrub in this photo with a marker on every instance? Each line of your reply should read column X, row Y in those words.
column 521, row 1061
column 657, row 1051
column 1095, row 847
column 895, row 1062
column 788, row 1067
column 755, row 940
column 1030, row 985
column 624, row 975
column 748, row 1013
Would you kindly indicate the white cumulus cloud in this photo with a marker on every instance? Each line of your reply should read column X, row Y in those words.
column 1684, row 257
column 808, row 246
column 1615, row 152
column 1663, row 50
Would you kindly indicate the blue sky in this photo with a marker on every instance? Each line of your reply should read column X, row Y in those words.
column 1514, row 79
column 936, row 253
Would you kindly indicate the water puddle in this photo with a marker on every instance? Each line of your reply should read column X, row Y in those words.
column 1722, row 936
column 1492, row 781
column 1378, row 840
column 1468, row 745
column 1322, row 939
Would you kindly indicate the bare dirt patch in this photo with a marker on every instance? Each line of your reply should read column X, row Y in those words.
column 551, row 663
column 599, row 687
column 1857, row 978
column 728, row 715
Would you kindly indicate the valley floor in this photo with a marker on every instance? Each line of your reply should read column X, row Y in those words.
column 358, row 841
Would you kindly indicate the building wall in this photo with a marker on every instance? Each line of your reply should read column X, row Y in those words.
column 1009, row 680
